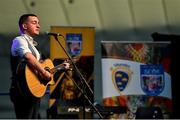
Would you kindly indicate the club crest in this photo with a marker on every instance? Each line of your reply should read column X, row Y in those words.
column 74, row 43
column 152, row 79
column 121, row 75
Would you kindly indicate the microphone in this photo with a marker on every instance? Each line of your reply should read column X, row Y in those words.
column 53, row 34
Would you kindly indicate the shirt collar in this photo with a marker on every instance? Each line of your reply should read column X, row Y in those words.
column 30, row 39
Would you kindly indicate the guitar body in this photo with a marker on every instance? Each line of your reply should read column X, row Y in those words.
column 36, row 86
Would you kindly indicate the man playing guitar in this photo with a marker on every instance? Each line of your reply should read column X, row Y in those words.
column 23, row 50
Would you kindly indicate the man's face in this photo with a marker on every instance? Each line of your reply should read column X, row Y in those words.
column 32, row 26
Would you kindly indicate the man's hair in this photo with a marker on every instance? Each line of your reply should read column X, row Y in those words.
column 23, row 19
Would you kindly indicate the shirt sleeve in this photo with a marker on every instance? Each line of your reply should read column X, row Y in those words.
column 19, row 47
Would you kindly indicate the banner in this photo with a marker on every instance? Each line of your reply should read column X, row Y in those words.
column 79, row 43
column 136, row 74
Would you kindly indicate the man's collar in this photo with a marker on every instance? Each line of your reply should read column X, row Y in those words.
column 30, row 39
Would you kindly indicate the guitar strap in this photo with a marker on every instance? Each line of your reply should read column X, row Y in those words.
column 30, row 47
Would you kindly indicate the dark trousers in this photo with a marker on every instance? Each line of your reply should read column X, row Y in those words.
column 25, row 107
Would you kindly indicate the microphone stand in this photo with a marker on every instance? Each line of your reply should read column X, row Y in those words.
column 82, row 79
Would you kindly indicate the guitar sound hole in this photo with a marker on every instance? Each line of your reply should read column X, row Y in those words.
column 47, row 69
column 43, row 81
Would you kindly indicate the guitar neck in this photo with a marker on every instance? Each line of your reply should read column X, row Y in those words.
column 57, row 68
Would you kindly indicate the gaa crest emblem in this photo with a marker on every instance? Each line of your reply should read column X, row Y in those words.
column 121, row 75
column 74, row 43
column 152, row 79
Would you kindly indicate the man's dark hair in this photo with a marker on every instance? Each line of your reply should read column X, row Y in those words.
column 23, row 19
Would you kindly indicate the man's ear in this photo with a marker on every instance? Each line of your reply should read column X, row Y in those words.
column 24, row 26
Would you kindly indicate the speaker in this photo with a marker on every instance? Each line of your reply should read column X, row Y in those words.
column 69, row 113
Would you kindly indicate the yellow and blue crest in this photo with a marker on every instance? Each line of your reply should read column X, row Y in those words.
column 121, row 75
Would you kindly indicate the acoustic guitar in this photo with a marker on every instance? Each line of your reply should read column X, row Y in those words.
column 35, row 85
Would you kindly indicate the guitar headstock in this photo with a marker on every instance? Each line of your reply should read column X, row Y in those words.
column 67, row 64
